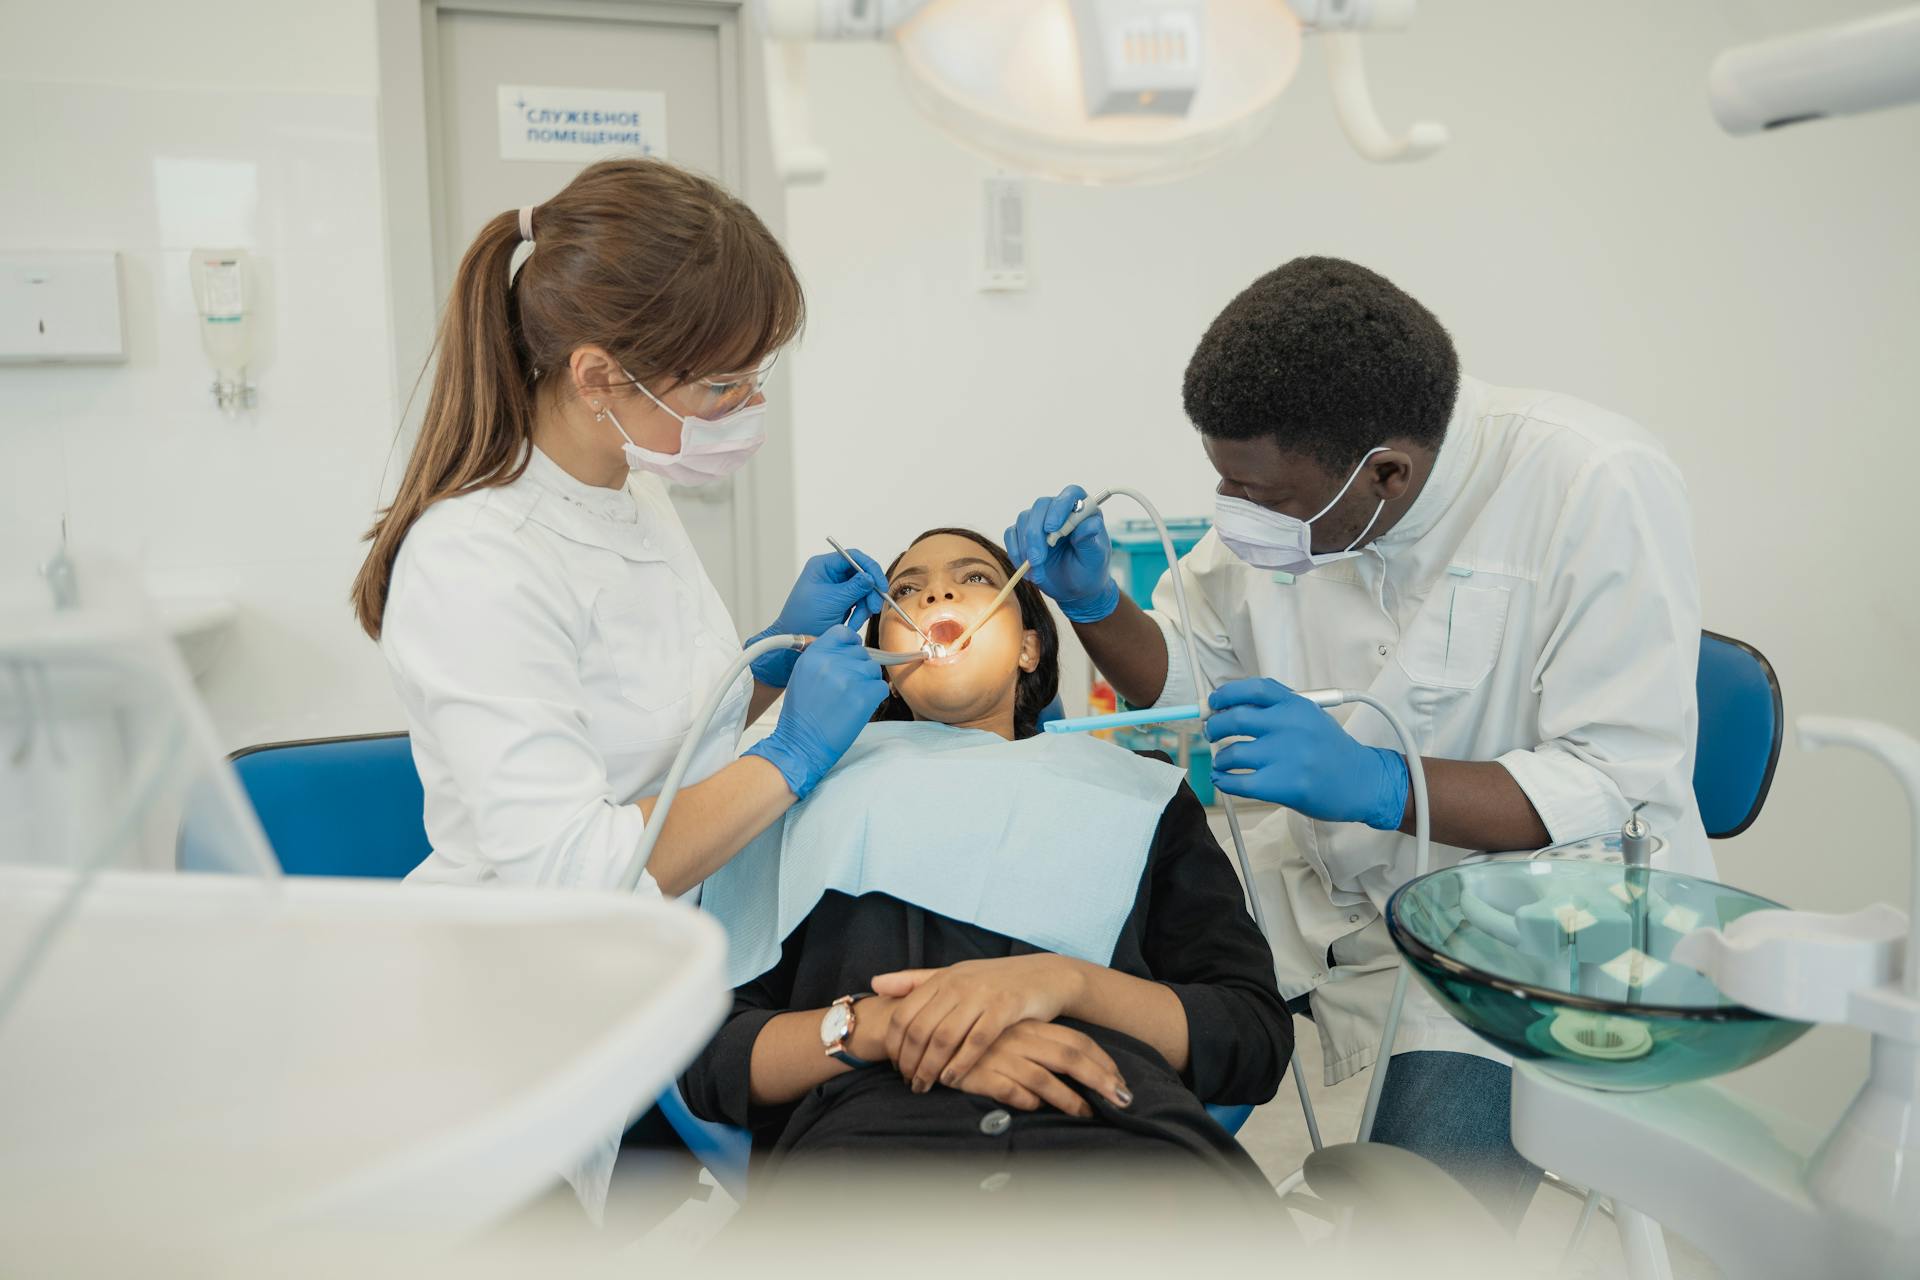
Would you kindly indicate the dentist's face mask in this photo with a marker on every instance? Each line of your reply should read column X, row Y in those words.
column 710, row 448
column 1268, row 540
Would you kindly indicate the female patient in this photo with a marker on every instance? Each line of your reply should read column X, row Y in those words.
column 888, row 1027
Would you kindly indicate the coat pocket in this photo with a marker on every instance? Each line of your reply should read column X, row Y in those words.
column 1454, row 645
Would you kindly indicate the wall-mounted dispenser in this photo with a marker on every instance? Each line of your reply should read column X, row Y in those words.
column 223, row 294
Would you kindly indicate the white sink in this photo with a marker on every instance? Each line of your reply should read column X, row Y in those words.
column 204, row 1054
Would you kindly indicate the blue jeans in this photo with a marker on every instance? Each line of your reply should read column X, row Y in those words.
column 1454, row 1108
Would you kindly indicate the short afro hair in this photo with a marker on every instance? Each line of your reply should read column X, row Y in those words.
column 1326, row 358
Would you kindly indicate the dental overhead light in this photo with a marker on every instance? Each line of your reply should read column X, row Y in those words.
column 1091, row 91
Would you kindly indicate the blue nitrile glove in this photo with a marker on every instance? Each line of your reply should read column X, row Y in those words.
column 1076, row 572
column 825, row 593
column 1300, row 757
column 832, row 695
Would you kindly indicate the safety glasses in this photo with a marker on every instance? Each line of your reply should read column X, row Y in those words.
column 716, row 398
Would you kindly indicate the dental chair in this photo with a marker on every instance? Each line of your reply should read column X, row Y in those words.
column 352, row 807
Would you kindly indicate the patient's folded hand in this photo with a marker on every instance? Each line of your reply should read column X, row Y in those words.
column 947, row 1019
column 1032, row 1064
column 872, row 1020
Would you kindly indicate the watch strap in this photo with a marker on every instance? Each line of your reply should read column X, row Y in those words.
column 838, row 1052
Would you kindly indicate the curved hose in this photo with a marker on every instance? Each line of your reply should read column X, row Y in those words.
column 1422, row 858
column 697, row 732
column 1203, row 689
column 1416, row 775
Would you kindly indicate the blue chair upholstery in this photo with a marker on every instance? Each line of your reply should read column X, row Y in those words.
column 1742, row 721
column 353, row 807
column 335, row 806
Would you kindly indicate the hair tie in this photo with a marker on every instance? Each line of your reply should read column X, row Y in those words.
column 526, row 223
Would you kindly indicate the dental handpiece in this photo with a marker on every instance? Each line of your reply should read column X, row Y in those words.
column 1081, row 510
column 885, row 657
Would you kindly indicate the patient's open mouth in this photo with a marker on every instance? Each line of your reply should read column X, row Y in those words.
column 945, row 631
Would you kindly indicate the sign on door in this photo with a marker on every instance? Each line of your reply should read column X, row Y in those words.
column 581, row 124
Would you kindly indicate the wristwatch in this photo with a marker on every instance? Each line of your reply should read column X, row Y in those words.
column 836, row 1028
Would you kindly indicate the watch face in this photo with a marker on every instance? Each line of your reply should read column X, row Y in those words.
column 833, row 1027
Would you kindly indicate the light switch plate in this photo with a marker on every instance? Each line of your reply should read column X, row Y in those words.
column 1003, row 267
column 60, row 307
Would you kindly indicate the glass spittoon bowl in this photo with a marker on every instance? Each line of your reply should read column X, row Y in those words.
column 1569, row 965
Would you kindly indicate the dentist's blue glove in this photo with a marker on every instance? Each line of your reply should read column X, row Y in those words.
column 826, row 592
column 1300, row 757
column 1076, row 571
column 832, row 695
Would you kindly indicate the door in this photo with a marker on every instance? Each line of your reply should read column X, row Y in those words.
column 690, row 54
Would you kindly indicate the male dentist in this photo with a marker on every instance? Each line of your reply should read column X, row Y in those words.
column 1511, row 571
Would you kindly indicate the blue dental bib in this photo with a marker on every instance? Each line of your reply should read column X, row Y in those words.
column 1043, row 840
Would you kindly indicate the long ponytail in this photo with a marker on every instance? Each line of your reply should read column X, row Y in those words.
column 664, row 268
column 479, row 413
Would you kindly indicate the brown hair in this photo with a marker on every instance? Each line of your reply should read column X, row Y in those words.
column 1034, row 689
column 673, row 275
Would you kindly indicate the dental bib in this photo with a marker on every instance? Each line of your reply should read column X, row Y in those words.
column 1043, row 840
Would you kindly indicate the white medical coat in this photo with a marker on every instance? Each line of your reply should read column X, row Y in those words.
column 1538, row 606
column 551, row 642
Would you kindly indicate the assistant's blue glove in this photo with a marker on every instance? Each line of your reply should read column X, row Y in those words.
column 1300, row 757
column 832, row 695
column 825, row 593
column 1075, row 572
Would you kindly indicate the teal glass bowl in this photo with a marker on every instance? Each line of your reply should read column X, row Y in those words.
column 1569, row 965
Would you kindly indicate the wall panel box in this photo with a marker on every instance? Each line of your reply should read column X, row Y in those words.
column 59, row 308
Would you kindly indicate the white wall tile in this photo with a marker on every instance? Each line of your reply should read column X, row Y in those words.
column 271, row 504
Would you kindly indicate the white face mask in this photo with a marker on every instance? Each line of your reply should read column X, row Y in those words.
column 710, row 449
column 1268, row 540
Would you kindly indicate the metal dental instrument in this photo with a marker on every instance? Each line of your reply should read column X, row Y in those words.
column 905, row 617
column 1636, row 850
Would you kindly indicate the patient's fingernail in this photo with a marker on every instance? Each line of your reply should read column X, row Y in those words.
column 947, row 1079
column 1126, row 1098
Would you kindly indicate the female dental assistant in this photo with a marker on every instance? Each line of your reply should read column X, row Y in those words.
column 548, row 626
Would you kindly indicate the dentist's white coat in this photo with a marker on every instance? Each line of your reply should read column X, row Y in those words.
column 551, row 641
column 1537, row 605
